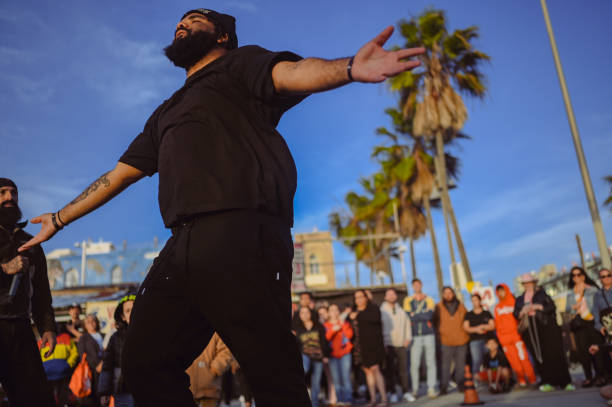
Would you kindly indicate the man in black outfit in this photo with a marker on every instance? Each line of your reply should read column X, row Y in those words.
column 226, row 187
column 24, row 293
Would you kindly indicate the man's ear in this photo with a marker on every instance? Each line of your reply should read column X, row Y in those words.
column 223, row 38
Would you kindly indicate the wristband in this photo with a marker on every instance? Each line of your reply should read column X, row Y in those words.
column 55, row 224
column 349, row 68
column 60, row 219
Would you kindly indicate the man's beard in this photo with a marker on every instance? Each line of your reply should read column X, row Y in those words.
column 9, row 215
column 186, row 51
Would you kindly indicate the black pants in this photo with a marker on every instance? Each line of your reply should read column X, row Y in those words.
column 396, row 369
column 21, row 372
column 585, row 337
column 228, row 272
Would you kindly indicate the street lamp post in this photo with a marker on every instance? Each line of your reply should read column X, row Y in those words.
column 586, row 178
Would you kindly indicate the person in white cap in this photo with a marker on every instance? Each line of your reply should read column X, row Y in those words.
column 536, row 312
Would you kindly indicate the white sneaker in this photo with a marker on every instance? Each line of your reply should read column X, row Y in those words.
column 432, row 393
column 393, row 398
column 452, row 385
column 409, row 397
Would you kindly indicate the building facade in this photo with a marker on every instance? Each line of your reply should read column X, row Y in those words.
column 316, row 252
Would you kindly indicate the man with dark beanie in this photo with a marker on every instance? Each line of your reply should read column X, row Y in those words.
column 226, row 187
column 24, row 293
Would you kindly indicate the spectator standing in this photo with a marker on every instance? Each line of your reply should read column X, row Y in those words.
column 397, row 335
column 26, row 274
column 496, row 363
column 479, row 324
column 339, row 334
column 306, row 300
column 315, row 350
column 579, row 304
column 602, row 304
column 536, row 311
column 75, row 326
column 506, row 327
column 90, row 343
column 111, row 378
column 420, row 308
column 59, row 365
column 449, row 317
column 205, row 372
column 323, row 315
column 369, row 343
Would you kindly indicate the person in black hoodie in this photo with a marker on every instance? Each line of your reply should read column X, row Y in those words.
column 24, row 294
column 111, row 380
column 314, row 347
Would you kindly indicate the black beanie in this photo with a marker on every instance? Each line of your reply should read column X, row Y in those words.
column 5, row 182
column 227, row 23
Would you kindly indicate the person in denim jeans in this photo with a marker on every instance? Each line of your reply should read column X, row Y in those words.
column 339, row 334
column 315, row 350
column 420, row 307
column 480, row 325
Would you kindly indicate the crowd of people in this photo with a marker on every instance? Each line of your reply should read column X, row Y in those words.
column 378, row 353
column 363, row 351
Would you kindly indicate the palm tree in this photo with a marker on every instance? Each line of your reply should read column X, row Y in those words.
column 368, row 214
column 410, row 168
column 436, row 110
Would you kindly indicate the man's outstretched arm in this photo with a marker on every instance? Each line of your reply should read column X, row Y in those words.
column 97, row 194
column 372, row 64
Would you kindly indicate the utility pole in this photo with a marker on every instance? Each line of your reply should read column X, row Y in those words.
column 580, row 251
column 604, row 254
column 401, row 247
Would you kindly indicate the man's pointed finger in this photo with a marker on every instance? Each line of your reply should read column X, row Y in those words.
column 409, row 52
column 383, row 36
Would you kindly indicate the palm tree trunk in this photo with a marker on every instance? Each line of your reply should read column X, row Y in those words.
column 449, row 207
column 412, row 260
column 434, row 247
column 451, row 249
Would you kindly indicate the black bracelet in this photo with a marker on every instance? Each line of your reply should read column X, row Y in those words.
column 55, row 224
column 60, row 219
column 349, row 68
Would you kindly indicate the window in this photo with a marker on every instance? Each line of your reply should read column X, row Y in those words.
column 116, row 275
column 72, row 278
column 314, row 264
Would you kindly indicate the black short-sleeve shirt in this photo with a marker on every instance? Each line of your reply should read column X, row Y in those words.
column 496, row 362
column 475, row 319
column 214, row 142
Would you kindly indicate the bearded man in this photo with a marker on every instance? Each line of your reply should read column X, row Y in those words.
column 24, row 293
column 226, row 187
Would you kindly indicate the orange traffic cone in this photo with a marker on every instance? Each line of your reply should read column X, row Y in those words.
column 470, row 396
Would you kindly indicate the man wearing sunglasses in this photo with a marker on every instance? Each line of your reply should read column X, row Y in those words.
column 602, row 301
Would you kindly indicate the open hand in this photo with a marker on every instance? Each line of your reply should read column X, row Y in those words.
column 16, row 265
column 373, row 63
column 47, row 231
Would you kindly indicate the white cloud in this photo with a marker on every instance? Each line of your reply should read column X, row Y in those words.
column 27, row 89
column 557, row 236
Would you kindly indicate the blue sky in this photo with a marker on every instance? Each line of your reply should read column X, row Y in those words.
column 78, row 79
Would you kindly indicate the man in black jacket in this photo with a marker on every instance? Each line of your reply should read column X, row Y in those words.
column 24, row 292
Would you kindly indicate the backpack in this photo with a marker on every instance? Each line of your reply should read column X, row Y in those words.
column 80, row 382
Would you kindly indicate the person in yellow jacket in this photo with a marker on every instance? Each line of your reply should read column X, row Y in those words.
column 59, row 365
column 205, row 372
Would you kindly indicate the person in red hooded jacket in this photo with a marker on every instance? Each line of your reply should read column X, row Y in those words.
column 509, row 337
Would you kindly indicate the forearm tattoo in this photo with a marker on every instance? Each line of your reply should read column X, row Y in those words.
column 103, row 180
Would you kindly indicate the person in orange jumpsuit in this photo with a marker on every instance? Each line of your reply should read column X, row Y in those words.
column 509, row 337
